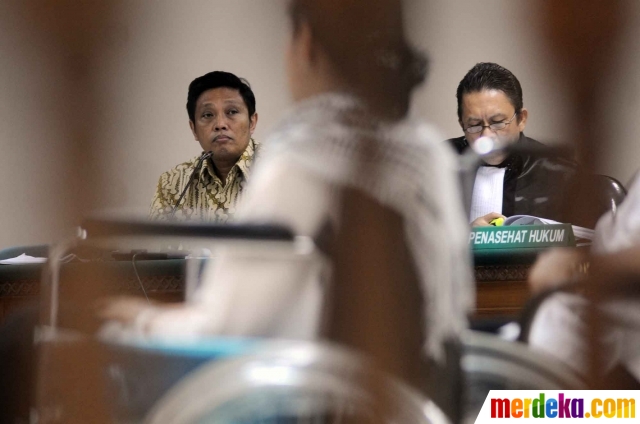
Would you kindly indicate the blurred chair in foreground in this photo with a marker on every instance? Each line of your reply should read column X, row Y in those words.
column 490, row 363
column 73, row 390
column 291, row 382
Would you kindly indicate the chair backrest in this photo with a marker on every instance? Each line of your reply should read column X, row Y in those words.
column 608, row 192
column 599, row 194
column 299, row 382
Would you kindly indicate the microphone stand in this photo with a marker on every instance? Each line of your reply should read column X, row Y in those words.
column 203, row 157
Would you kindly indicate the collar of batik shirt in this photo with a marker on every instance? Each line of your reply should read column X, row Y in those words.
column 243, row 164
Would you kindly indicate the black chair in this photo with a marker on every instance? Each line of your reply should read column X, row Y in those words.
column 598, row 194
column 609, row 191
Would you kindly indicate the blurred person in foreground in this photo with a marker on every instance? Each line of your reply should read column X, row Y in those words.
column 351, row 74
column 560, row 324
column 222, row 117
column 490, row 104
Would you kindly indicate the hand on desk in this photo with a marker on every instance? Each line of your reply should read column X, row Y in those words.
column 121, row 309
column 484, row 221
column 132, row 312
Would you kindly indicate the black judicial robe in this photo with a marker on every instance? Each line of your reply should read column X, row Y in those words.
column 533, row 185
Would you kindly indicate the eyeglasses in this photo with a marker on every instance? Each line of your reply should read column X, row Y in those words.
column 496, row 126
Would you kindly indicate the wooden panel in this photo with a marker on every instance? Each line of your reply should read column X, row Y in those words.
column 502, row 290
column 22, row 286
column 501, row 298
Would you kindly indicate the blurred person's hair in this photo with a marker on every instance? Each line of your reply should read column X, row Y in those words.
column 219, row 79
column 365, row 42
column 490, row 76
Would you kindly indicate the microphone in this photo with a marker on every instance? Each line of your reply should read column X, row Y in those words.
column 202, row 158
column 485, row 146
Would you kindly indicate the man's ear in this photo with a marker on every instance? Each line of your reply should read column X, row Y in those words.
column 522, row 119
column 193, row 130
column 253, row 121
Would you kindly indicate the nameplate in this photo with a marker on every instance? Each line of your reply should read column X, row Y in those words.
column 522, row 236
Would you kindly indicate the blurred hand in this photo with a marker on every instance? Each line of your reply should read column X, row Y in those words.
column 121, row 309
column 484, row 221
column 556, row 267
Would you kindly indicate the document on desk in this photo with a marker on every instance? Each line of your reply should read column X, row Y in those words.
column 581, row 233
column 23, row 259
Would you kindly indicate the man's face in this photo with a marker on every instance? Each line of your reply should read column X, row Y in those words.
column 222, row 123
column 488, row 107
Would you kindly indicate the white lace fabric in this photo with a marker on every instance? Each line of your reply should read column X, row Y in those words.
column 405, row 167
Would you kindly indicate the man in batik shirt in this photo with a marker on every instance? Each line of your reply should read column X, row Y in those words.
column 222, row 117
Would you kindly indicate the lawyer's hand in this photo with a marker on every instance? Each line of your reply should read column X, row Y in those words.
column 484, row 221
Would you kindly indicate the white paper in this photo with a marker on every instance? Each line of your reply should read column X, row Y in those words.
column 23, row 259
column 487, row 191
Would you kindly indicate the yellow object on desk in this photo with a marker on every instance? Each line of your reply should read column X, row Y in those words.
column 497, row 222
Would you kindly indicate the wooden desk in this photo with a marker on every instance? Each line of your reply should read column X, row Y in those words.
column 163, row 280
column 501, row 290
column 501, row 282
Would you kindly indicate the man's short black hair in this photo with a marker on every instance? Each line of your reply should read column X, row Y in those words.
column 490, row 76
column 219, row 79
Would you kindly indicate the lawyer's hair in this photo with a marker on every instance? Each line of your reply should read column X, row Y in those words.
column 490, row 76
